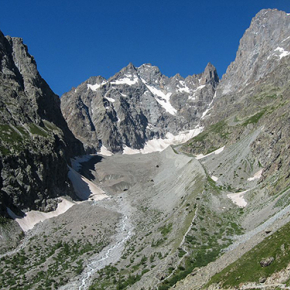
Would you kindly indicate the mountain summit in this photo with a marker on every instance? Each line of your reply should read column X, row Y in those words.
column 136, row 105
column 261, row 49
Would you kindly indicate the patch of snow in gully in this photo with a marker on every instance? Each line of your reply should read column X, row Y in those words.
column 96, row 86
column 125, row 81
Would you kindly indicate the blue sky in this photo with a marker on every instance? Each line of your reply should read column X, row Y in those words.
column 73, row 40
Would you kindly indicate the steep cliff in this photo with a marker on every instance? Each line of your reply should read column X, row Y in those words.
column 35, row 142
column 255, row 93
column 248, row 122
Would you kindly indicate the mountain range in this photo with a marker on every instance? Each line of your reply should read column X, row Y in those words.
column 210, row 213
column 136, row 105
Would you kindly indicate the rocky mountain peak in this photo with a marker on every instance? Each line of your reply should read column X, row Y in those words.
column 96, row 80
column 149, row 73
column 261, row 48
column 127, row 73
column 130, row 68
column 209, row 75
column 35, row 142
column 135, row 106
column 24, row 62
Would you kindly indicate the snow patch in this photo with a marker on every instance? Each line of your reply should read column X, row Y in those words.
column 183, row 90
column 156, row 145
column 218, row 151
column 166, row 105
column 282, row 52
column 110, row 99
column 84, row 188
column 286, row 39
column 96, row 86
column 192, row 97
column 208, row 109
column 187, row 90
column 130, row 151
column 200, row 87
column 214, row 178
column 162, row 98
column 150, row 126
column 238, row 198
column 279, row 52
column 257, row 175
column 33, row 217
column 105, row 152
column 126, row 81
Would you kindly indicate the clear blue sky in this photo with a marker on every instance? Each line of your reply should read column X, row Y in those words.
column 72, row 40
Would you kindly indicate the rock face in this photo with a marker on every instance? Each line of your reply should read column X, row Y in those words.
column 35, row 142
column 255, row 93
column 136, row 105
column 249, row 121
column 267, row 261
column 261, row 49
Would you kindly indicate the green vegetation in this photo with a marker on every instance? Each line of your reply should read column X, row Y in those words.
column 248, row 267
column 50, row 126
column 37, row 130
column 3, row 220
column 118, row 279
column 210, row 233
column 64, row 258
column 254, row 119
column 165, row 230
column 14, row 139
column 157, row 243
column 181, row 253
column 219, row 129
column 209, row 140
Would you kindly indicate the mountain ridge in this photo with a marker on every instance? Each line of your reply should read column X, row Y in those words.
column 137, row 105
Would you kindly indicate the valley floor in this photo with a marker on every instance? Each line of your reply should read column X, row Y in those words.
column 148, row 222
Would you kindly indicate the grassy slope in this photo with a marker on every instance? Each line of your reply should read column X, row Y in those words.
column 248, row 268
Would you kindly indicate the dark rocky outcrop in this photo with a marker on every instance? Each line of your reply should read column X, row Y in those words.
column 35, row 142
column 267, row 261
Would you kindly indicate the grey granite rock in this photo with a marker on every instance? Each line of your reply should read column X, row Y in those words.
column 261, row 48
column 136, row 105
